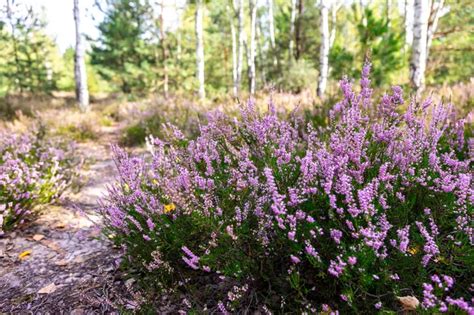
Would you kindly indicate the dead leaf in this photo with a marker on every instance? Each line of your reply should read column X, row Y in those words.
column 52, row 245
column 62, row 262
column 50, row 288
column 79, row 260
column 409, row 303
column 24, row 255
column 38, row 237
column 60, row 225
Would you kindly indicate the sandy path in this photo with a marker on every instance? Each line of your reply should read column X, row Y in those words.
column 69, row 269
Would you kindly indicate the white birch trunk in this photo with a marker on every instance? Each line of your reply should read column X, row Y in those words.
column 252, row 48
column 335, row 7
column 178, row 30
column 409, row 15
column 80, row 74
column 164, row 50
column 233, row 35
column 324, row 49
column 259, row 54
column 200, row 49
column 438, row 10
column 241, row 44
column 271, row 26
column 419, row 52
column 292, row 28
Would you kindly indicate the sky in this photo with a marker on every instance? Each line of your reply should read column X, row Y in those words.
column 59, row 15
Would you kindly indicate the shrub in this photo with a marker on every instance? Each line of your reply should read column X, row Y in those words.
column 299, row 75
column 149, row 119
column 347, row 217
column 33, row 171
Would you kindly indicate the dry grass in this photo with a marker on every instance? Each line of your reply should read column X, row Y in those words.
column 61, row 116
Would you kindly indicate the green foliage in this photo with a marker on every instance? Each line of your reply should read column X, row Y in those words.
column 33, row 171
column 296, row 219
column 121, row 52
column 29, row 55
column 95, row 82
column 298, row 76
column 451, row 57
column 375, row 39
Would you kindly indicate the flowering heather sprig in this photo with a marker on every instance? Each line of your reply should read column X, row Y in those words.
column 375, row 195
column 33, row 171
column 192, row 260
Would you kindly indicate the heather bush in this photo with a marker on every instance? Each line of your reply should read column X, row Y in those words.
column 33, row 171
column 276, row 214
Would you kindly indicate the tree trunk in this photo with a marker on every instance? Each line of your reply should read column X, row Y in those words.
column 299, row 28
column 419, row 52
column 80, row 74
column 200, row 49
column 259, row 54
column 271, row 26
column 324, row 49
column 164, row 50
column 292, row 28
column 437, row 11
column 234, row 53
column 178, row 30
column 335, row 7
column 14, row 41
column 252, row 48
column 388, row 8
column 240, row 56
column 409, row 14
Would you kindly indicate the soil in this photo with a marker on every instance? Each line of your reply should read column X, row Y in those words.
column 60, row 263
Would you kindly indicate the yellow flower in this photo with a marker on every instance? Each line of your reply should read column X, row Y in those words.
column 413, row 250
column 24, row 254
column 169, row 207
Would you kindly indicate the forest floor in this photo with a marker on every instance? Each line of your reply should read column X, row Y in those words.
column 60, row 263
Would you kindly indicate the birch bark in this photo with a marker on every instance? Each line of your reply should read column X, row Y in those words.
column 80, row 74
column 200, row 49
column 241, row 44
column 235, row 85
column 420, row 39
column 324, row 49
column 252, row 48
column 271, row 26
column 409, row 14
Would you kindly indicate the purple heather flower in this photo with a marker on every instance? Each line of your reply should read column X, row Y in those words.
column 352, row 260
column 295, row 259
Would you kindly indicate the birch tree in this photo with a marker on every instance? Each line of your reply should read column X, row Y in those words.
column 200, row 48
column 336, row 5
column 80, row 74
column 292, row 28
column 408, row 19
column 178, row 29
column 164, row 49
column 241, row 44
column 271, row 27
column 324, row 48
column 234, row 53
column 438, row 10
column 427, row 15
column 252, row 48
